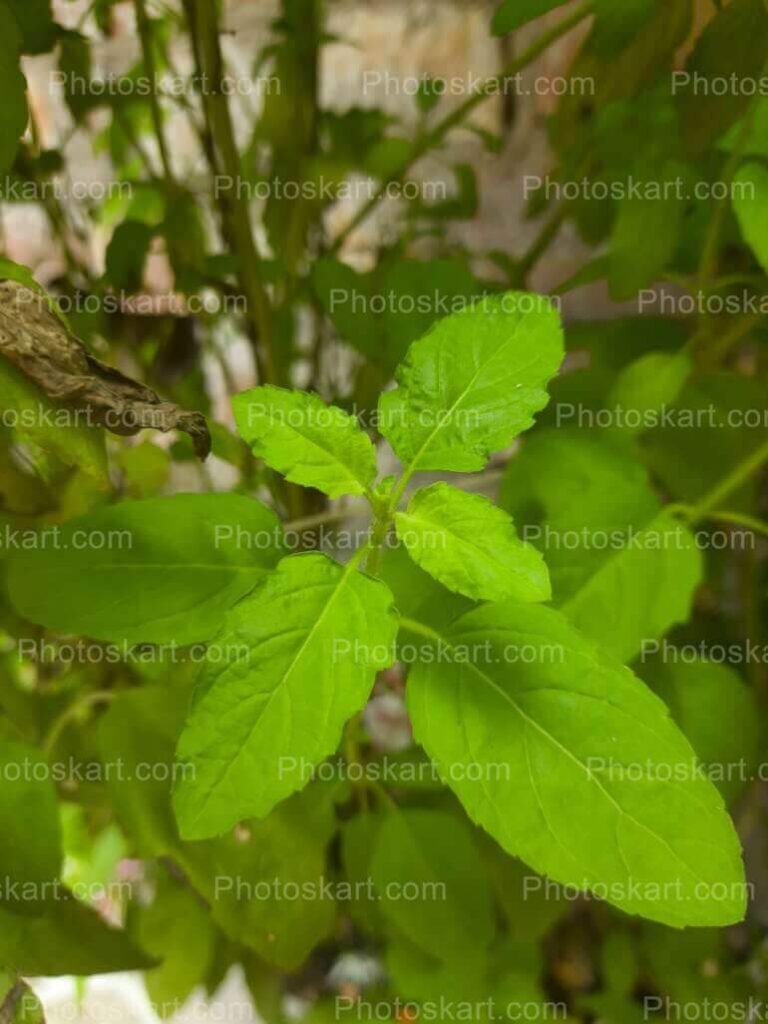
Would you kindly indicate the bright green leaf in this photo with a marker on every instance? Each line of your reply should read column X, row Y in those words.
column 471, row 546
column 309, row 442
column 473, row 383
column 305, row 648
column 535, row 730
column 160, row 571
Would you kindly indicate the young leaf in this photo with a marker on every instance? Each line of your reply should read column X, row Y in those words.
column 430, row 881
column 642, row 591
column 571, row 758
column 309, row 442
column 163, row 570
column 30, row 839
column 471, row 546
column 306, row 646
column 473, row 383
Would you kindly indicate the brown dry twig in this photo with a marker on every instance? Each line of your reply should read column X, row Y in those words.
column 41, row 347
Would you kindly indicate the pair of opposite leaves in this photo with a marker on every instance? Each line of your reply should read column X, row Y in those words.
column 316, row 633
column 563, row 725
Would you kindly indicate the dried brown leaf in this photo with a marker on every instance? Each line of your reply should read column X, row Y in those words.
column 38, row 344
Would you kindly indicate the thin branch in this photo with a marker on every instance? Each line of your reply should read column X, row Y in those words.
column 740, row 519
column 235, row 208
column 732, row 482
column 148, row 55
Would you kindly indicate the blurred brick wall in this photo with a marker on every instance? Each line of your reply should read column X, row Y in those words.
column 400, row 37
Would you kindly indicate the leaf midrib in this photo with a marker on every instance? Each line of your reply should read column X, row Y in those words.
column 349, row 568
column 329, row 453
column 569, row 754
column 413, row 466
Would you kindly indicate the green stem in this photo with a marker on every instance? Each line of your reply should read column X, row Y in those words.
column 334, row 516
column 418, row 628
column 145, row 36
column 136, row 145
column 729, row 484
column 740, row 519
column 236, row 212
column 431, row 140
column 720, row 348
column 729, row 280
column 378, row 536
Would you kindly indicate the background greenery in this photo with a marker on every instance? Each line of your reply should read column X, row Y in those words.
column 279, row 259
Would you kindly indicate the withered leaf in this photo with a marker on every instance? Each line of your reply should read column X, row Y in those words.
column 40, row 346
